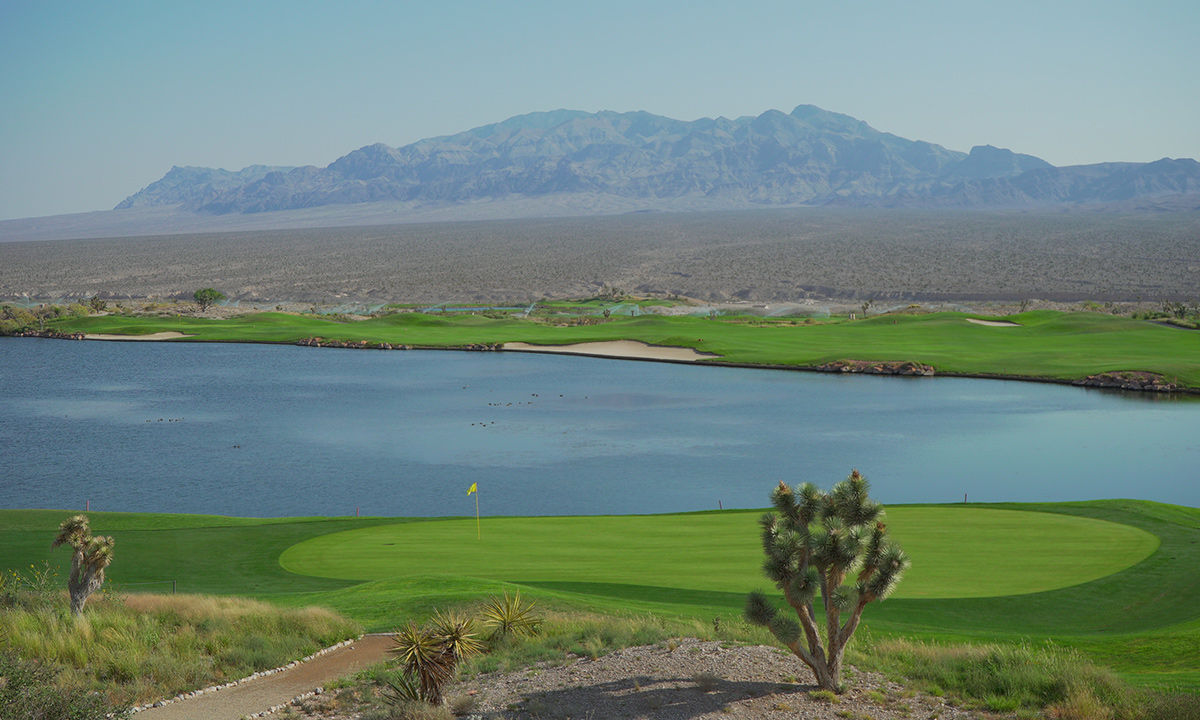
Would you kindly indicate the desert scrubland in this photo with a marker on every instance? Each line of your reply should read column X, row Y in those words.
column 762, row 255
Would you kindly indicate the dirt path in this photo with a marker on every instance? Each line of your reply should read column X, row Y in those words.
column 266, row 692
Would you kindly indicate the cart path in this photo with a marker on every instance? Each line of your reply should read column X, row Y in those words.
column 263, row 693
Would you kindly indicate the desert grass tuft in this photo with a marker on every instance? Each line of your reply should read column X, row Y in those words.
column 144, row 647
column 1006, row 678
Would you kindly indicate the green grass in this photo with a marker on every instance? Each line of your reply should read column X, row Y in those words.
column 1024, row 552
column 1082, row 583
column 1047, row 345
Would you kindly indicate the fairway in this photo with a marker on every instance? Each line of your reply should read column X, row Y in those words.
column 1047, row 344
column 956, row 552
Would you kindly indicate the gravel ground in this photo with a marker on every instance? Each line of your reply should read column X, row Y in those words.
column 753, row 256
column 684, row 680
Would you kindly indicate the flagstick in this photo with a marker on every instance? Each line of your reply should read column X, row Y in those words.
column 478, row 533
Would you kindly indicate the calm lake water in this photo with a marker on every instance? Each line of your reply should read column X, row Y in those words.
column 260, row 430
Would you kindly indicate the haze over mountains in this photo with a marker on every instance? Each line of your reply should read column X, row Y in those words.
column 810, row 156
column 568, row 163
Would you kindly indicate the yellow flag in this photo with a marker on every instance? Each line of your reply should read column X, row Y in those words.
column 474, row 488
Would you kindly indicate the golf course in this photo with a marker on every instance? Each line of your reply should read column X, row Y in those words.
column 1114, row 580
column 1106, row 582
column 1038, row 345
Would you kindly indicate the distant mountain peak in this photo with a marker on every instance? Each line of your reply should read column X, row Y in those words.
column 807, row 156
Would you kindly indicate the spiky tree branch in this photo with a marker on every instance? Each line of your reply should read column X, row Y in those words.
column 812, row 543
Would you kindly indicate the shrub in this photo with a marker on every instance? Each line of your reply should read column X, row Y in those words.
column 207, row 296
column 509, row 616
column 430, row 655
column 29, row 690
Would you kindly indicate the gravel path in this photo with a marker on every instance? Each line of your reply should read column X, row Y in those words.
column 683, row 680
column 257, row 695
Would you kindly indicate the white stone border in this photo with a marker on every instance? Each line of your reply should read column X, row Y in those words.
column 255, row 676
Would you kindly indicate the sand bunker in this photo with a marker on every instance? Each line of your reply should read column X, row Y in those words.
column 993, row 323
column 616, row 349
column 152, row 336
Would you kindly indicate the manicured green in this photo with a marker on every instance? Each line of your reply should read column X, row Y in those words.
column 1143, row 620
column 1024, row 552
column 1046, row 345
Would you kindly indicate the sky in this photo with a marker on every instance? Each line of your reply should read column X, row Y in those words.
column 102, row 98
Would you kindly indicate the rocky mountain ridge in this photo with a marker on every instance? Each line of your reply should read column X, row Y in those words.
column 808, row 157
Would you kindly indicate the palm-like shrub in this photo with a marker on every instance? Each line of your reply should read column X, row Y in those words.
column 430, row 655
column 813, row 542
column 508, row 615
column 92, row 555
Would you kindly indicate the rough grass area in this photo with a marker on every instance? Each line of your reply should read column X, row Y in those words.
column 138, row 648
column 1001, row 678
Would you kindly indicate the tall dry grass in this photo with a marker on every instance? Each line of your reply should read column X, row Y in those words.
column 143, row 647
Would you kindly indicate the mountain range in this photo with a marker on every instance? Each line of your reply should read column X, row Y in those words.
column 807, row 157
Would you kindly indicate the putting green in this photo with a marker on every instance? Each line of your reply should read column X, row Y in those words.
column 956, row 552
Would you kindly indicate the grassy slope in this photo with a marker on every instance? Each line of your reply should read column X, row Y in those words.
column 1048, row 344
column 1143, row 620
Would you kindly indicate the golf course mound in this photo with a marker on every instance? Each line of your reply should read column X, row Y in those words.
column 957, row 552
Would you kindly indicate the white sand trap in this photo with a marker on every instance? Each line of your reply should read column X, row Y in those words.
column 993, row 323
column 152, row 336
column 616, row 349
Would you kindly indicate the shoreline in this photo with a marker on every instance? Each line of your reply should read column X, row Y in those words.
column 644, row 352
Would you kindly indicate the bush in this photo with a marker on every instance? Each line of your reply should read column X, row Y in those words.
column 145, row 647
column 207, row 296
column 29, row 690
column 510, row 616
column 1004, row 678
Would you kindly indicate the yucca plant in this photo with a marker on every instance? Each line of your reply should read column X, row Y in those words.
column 430, row 655
column 508, row 615
column 815, row 541
column 401, row 689
column 92, row 555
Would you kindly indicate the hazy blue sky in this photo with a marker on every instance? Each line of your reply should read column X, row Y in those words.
column 102, row 98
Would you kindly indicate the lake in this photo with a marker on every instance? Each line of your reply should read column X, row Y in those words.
column 267, row 430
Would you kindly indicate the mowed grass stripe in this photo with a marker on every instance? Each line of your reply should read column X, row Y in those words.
column 957, row 552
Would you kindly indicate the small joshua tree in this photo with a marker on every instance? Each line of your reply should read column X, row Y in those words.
column 815, row 541
column 92, row 555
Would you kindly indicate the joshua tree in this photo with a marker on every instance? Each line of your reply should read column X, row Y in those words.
column 206, row 297
column 814, row 542
column 92, row 555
